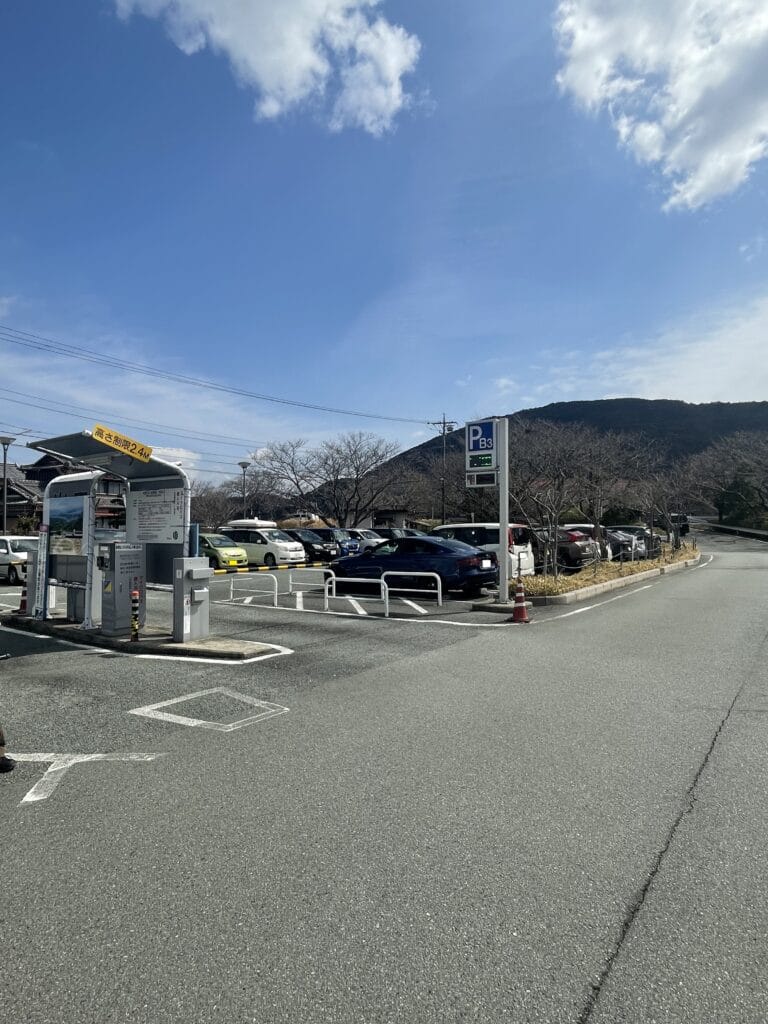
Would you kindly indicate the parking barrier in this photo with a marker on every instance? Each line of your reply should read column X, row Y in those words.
column 329, row 587
column 295, row 585
column 272, row 590
column 268, row 568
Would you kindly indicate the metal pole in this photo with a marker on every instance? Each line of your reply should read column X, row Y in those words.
column 244, row 466
column 502, row 433
column 5, row 442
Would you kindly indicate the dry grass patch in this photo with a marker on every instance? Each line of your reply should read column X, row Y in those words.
column 603, row 572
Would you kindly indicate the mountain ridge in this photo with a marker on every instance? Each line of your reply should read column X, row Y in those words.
column 682, row 428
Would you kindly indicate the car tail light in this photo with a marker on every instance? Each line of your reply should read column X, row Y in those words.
column 468, row 563
column 574, row 535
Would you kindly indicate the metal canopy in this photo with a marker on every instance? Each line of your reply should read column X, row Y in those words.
column 84, row 449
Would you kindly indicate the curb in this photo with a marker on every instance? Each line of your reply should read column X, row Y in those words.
column 151, row 642
column 573, row 596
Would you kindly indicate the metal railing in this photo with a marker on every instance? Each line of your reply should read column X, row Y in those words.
column 329, row 587
column 297, row 584
column 272, row 592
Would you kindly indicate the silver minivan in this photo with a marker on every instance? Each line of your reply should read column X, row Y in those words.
column 486, row 537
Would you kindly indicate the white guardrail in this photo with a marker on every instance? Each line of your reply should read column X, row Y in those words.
column 329, row 587
column 261, row 576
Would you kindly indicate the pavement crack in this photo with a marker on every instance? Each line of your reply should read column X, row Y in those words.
column 688, row 804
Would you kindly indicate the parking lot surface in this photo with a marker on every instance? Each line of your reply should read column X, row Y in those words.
column 402, row 819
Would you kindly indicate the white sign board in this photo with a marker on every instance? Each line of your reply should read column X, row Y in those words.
column 155, row 516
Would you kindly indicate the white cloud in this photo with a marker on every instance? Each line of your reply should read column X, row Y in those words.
column 718, row 356
column 295, row 51
column 752, row 249
column 505, row 386
column 685, row 81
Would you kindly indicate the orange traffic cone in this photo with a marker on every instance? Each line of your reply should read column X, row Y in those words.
column 520, row 610
column 22, row 609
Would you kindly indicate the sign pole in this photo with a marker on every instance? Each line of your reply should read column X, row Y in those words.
column 502, row 433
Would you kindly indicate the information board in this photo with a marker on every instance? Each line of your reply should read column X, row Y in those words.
column 156, row 516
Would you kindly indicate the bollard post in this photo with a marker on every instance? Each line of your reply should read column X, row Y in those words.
column 134, row 615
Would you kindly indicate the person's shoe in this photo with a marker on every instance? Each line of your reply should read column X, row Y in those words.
column 7, row 764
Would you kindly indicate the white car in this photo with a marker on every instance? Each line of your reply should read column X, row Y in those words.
column 13, row 556
column 266, row 546
column 486, row 537
column 366, row 538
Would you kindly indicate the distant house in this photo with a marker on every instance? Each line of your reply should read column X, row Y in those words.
column 24, row 500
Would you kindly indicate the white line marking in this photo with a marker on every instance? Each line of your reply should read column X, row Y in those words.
column 357, row 606
column 299, row 600
column 416, row 607
column 590, row 607
column 267, row 711
column 275, row 651
column 60, row 763
column 248, row 600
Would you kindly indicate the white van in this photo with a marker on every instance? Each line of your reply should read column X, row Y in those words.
column 264, row 544
column 486, row 537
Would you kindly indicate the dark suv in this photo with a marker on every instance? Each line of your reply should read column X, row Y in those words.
column 680, row 520
column 317, row 549
column 333, row 535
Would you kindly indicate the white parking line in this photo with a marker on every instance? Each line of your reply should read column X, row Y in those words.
column 248, row 600
column 357, row 606
column 416, row 607
column 590, row 607
column 266, row 710
column 300, row 600
column 60, row 763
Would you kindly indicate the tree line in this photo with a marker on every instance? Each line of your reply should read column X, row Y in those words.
column 557, row 472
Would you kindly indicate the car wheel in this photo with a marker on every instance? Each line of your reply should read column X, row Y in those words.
column 213, row 563
column 269, row 559
column 13, row 575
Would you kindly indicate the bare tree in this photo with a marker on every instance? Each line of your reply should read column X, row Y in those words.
column 545, row 479
column 732, row 474
column 342, row 480
column 211, row 503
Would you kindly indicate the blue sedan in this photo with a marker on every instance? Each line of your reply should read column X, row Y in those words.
column 459, row 566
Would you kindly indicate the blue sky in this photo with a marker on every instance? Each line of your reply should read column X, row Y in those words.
column 404, row 209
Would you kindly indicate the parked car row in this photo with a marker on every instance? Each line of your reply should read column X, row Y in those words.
column 13, row 556
column 242, row 543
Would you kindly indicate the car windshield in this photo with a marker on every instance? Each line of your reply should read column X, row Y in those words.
column 341, row 534
column 218, row 540
column 277, row 535
column 310, row 536
column 23, row 544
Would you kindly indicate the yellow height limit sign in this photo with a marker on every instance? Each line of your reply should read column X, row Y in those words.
column 121, row 443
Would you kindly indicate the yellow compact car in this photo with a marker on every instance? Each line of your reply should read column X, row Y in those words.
column 221, row 552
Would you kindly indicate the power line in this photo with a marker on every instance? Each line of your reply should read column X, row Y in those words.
column 42, row 344
column 230, row 442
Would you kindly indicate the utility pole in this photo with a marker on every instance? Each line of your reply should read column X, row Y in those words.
column 244, row 466
column 444, row 426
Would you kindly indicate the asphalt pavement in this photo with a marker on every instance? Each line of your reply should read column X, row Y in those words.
column 429, row 818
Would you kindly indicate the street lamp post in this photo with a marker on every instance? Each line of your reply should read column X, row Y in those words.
column 6, row 442
column 244, row 466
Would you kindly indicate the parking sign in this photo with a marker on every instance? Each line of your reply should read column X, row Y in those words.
column 481, row 448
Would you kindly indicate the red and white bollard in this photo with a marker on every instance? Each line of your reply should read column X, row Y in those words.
column 134, row 615
column 520, row 609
